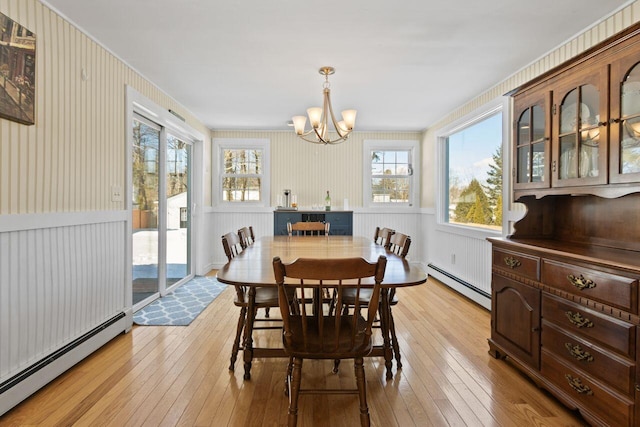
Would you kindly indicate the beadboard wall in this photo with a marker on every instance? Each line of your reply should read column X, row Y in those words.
column 63, row 268
column 75, row 152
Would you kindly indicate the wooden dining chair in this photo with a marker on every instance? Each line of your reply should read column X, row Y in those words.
column 265, row 297
column 398, row 244
column 246, row 237
column 382, row 235
column 308, row 228
column 312, row 334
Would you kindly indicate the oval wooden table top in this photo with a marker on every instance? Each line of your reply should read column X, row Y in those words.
column 254, row 266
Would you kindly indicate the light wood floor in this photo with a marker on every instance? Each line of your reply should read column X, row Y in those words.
column 166, row 376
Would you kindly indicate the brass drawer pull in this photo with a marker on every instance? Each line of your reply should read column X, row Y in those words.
column 580, row 282
column 576, row 384
column 578, row 320
column 578, row 353
column 512, row 262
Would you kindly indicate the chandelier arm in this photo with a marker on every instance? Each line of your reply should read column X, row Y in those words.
column 333, row 118
column 321, row 137
column 322, row 141
column 315, row 140
column 325, row 108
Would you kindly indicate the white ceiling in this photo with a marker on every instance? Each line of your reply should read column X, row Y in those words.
column 403, row 64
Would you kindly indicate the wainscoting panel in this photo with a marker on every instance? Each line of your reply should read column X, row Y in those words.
column 57, row 283
column 218, row 223
column 460, row 261
column 364, row 224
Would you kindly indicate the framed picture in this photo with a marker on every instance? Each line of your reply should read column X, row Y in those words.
column 17, row 72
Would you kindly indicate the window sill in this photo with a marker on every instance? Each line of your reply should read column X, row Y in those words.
column 467, row 231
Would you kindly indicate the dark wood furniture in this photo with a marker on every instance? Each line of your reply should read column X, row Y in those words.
column 253, row 268
column 565, row 303
column 398, row 244
column 246, row 236
column 249, row 302
column 310, row 334
column 304, row 228
column 341, row 221
column 381, row 236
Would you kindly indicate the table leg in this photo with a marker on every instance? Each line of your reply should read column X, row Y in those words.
column 247, row 349
column 394, row 338
column 384, row 327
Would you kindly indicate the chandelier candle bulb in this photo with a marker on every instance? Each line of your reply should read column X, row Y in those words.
column 298, row 124
column 349, row 117
column 315, row 116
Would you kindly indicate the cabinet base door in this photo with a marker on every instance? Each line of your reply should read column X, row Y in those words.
column 515, row 320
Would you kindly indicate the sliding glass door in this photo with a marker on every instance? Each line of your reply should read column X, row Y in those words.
column 178, row 200
column 145, row 165
column 161, row 217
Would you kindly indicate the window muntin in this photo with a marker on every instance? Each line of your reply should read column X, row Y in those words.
column 242, row 171
column 391, row 173
column 473, row 174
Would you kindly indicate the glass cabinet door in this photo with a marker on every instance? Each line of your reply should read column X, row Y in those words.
column 625, row 119
column 580, row 133
column 532, row 141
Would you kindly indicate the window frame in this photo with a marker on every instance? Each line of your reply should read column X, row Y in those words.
column 413, row 146
column 221, row 144
column 498, row 105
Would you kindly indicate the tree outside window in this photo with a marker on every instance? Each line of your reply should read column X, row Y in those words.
column 474, row 167
column 146, row 140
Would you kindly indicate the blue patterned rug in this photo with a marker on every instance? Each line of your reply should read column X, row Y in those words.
column 180, row 307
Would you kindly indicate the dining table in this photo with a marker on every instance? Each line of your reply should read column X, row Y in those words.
column 253, row 268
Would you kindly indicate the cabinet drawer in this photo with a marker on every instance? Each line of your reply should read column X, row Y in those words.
column 616, row 290
column 522, row 264
column 612, row 408
column 583, row 355
column 611, row 332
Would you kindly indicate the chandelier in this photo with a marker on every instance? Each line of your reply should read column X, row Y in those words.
column 319, row 118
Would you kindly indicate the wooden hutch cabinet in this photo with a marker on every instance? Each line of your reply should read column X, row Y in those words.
column 565, row 284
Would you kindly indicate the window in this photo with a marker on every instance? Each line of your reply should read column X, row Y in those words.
column 242, row 175
column 243, row 166
column 389, row 169
column 471, row 172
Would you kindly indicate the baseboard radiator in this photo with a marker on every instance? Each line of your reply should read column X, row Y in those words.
column 28, row 381
column 465, row 288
